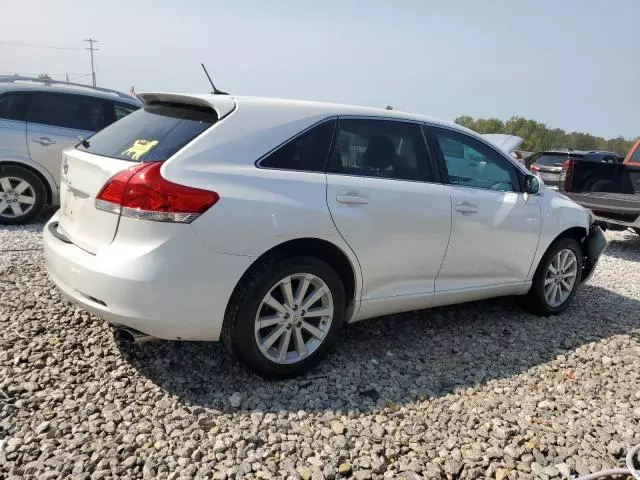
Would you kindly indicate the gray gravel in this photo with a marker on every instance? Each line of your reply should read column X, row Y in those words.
column 474, row 391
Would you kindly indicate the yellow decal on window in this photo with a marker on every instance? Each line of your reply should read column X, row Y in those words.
column 139, row 148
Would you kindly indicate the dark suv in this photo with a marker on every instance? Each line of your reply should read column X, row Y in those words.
column 548, row 165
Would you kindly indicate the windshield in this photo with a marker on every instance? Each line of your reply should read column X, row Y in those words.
column 151, row 134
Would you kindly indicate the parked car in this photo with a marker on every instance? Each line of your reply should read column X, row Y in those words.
column 271, row 223
column 39, row 119
column 610, row 189
column 548, row 165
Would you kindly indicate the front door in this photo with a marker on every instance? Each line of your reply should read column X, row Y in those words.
column 495, row 227
column 383, row 201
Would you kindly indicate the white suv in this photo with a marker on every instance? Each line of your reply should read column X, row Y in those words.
column 271, row 223
column 39, row 119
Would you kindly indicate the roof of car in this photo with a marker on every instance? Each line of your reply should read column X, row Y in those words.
column 16, row 83
column 305, row 107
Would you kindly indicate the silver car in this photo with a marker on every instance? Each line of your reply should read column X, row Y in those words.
column 39, row 119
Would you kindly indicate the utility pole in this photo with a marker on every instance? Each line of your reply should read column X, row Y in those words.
column 91, row 49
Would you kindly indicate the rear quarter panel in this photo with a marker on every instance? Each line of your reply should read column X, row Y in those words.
column 259, row 208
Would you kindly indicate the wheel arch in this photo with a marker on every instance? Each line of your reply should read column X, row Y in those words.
column 579, row 234
column 323, row 250
column 44, row 178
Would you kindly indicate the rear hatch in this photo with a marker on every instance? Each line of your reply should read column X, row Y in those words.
column 153, row 133
column 549, row 165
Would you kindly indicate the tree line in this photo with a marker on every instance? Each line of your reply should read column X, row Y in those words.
column 537, row 136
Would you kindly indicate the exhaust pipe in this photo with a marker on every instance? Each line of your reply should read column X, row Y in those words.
column 131, row 335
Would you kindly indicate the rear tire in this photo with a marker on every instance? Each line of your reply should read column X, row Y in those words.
column 274, row 325
column 22, row 195
column 553, row 287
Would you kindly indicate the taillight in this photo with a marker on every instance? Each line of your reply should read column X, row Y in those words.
column 141, row 192
column 534, row 168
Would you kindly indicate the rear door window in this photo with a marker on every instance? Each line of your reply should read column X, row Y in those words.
column 77, row 112
column 15, row 105
column 551, row 160
column 380, row 148
column 153, row 133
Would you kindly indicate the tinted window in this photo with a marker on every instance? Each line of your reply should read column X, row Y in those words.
column 14, row 105
column 471, row 163
column 152, row 133
column 308, row 151
column 77, row 112
column 551, row 160
column 122, row 110
column 635, row 157
column 380, row 148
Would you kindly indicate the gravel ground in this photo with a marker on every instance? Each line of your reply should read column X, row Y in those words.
column 474, row 391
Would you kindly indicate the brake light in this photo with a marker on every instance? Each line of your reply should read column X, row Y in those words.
column 141, row 192
column 534, row 168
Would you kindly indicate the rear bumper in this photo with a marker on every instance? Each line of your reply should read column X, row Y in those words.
column 596, row 244
column 172, row 288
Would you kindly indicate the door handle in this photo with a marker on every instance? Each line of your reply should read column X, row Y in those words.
column 466, row 208
column 351, row 198
column 44, row 141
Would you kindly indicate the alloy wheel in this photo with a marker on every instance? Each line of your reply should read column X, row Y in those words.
column 17, row 197
column 560, row 277
column 294, row 318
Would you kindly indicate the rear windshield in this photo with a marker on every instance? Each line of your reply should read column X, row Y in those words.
column 151, row 134
column 547, row 160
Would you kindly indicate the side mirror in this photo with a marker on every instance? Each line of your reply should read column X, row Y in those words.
column 531, row 184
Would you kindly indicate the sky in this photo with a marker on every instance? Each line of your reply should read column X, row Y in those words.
column 572, row 64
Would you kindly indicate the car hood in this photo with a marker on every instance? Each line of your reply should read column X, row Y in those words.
column 507, row 143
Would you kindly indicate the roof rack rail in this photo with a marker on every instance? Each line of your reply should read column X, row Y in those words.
column 47, row 81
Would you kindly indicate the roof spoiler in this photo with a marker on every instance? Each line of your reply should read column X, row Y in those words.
column 222, row 104
column 505, row 142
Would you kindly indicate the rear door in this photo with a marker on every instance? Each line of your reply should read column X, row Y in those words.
column 13, row 113
column 152, row 134
column 384, row 201
column 55, row 122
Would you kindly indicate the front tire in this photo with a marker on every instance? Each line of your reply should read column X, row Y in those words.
column 556, row 279
column 22, row 195
column 284, row 317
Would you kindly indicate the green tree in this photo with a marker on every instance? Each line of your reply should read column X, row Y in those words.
column 537, row 136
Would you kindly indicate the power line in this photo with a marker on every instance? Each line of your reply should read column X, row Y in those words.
column 91, row 49
column 31, row 45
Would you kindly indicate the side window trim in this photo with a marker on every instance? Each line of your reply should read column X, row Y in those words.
column 428, row 163
column 517, row 172
column 334, row 119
